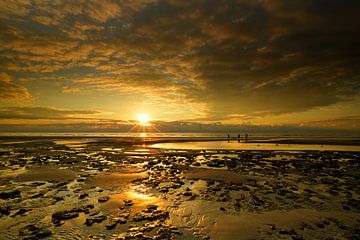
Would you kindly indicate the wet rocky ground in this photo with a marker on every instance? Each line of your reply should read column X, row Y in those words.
column 122, row 189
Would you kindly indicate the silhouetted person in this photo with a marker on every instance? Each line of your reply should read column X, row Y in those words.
column 246, row 137
column 238, row 137
column 228, row 137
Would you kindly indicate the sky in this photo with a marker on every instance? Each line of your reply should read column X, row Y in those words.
column 188, row 65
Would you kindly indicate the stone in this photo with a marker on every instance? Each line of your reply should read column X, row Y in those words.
column 128, row 203
column 33, row 232
column 121, row 220
column 63, row 215
column 83, row 195
column 95, row 219
column 103, row 199
column 111, row 224
column 21, row 211
column 9, row 194
column 4, row 210
column 84, row 208
column 151, row 215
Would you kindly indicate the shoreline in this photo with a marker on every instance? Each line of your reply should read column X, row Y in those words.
column 351, row 141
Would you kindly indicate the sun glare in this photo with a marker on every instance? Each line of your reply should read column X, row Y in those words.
column 144, row 120
column 144, row 124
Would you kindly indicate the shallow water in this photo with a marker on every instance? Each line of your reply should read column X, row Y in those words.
column 253, row 146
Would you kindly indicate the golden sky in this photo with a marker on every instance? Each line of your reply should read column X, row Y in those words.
column 212, row 62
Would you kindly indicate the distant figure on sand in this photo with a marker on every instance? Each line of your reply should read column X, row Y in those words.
column 246, row 137
column 228, row 137
column 238, row 137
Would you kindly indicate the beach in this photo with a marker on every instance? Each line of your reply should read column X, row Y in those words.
column 56, row 187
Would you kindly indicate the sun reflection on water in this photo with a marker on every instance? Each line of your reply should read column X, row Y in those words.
column 140, row 192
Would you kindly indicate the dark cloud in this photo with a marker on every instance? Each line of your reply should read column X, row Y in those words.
column 347, row 122
column 43, row 113
column 236, row 57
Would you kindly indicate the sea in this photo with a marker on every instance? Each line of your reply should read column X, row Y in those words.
column 254, row 141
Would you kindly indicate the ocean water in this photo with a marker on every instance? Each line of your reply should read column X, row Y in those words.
column 115, row 134
column 234, row 145
column 257, row 141
column 256, row 136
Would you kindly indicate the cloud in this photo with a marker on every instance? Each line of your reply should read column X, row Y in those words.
column 43, row 113
column 347, row 122
column 99, row 11
column 10, row 91
column 9, row 8
column 228, row 59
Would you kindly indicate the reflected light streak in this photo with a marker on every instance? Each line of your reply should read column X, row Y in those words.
column 140, row 192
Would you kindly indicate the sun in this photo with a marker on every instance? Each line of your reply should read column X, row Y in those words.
column 144, row 120
column 144, row 124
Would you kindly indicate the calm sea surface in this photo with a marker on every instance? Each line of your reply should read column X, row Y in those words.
column 233, row 145
column 178, row 135
column 257, row 141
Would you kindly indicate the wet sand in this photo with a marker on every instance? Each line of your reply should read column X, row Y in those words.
column 120, row 188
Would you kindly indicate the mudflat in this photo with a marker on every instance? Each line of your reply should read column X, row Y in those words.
column 110, row 188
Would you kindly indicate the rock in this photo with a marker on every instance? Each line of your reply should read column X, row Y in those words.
column 83, row 195
column 81, row 179
column 111, row 224
column 121, row 220
column 273, row 227
column 63, row 215
column 89, row 222
column 94, row 212
column 285, row 232
column 58, row 198
column 152, row 207
column 216, row 163
column 151, row 214
column 103, row 199
column 297, row 237
column 84, row 208
column 133, row 235
column 21, row 211
column 9, row 194
column 320, row 225
column 36, row 195
column 237, row 204
column 244, row 188
column 33, row 232
column 96, row 219
column 128, row 203
column 166, row 232
column 4, row 210
column 346, row 207
column 125, row 214
column 187, row 194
